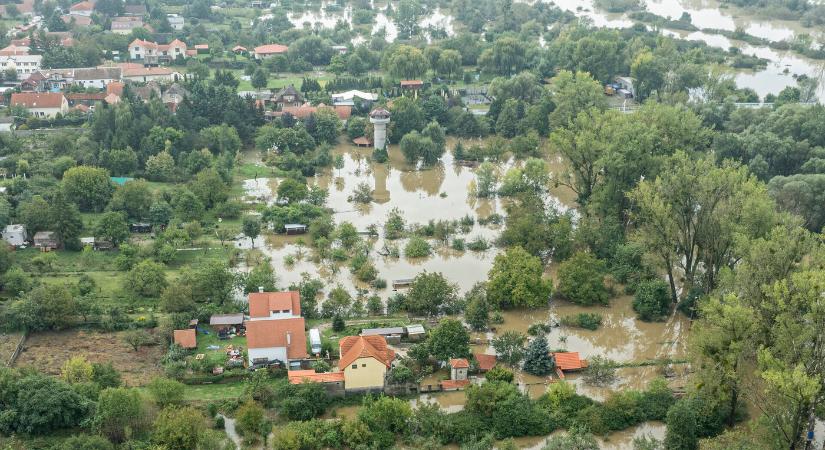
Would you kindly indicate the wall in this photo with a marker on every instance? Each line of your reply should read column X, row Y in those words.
column 369, row 377
column 271, row 353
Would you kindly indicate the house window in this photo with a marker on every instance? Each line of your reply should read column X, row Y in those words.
column 355, row 366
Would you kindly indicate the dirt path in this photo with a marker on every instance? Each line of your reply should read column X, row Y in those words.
column 229, row 427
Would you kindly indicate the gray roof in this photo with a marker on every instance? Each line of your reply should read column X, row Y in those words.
column 226, row 319
column 97, row 73
column 415, row 329
column 382, row 331
column 45, row 235
column 7, row 119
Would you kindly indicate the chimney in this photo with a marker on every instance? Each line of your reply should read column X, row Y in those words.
column 288, row 338
column 260, row 288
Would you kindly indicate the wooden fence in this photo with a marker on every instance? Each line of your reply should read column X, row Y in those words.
column 17, row 351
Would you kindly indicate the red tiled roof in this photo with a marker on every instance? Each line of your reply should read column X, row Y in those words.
column 273, row 333
column 363, row 140
column 262, row 303
column 201, row 46
column 238, row 48
column 344, row 112
column 115, row 87
column 82, row 6
column 412, row 83
column 454, row 384
column 569, row 361
column 12, row 50
column 459, row 363
column 83, row 21
column 271, row 49
column 353, row 347
column 147, row 71
column 485, row 362
column 112, row 99
column 34, row 100
column 186, row 338
column 302, row 376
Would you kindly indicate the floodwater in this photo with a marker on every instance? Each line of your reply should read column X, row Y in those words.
column 620, row 440
column 621, row 337
column 437, row 193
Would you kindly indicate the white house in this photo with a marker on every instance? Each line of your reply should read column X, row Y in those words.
column 152, row 52
column 146, row 74
column 15, row 235
column 269, row 50
column 96, row 77
column 24, row 64
column 348, row 98
column 41, row 104
column 176, row 21
column 275, row 330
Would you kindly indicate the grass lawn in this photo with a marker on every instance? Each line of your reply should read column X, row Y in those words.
column 216, row 357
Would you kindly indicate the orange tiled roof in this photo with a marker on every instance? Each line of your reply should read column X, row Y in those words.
column 459, row 363
column 271, row 49
column 186, row 338
column 273, row 333
column 37, row 100
column 261, row 303
column 569, row 361
column 412, row 83
column 302, row 376
column 485, row 362
column 353, row 347
column 454, row 384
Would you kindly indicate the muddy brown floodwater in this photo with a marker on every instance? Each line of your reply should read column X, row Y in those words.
column 440, row 192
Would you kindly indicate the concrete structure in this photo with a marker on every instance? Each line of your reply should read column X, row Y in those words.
column 379, row 118
column 365, row 361
column 15, row 235
column 41, row 104
column 25, row 65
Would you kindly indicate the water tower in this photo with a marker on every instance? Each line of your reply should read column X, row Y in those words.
column 379, row 118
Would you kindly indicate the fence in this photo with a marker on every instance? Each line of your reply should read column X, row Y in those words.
column 17, row 351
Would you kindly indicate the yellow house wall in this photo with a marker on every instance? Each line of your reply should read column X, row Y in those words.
column 369, row 377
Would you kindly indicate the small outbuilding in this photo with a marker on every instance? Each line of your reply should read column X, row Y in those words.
column 186, row 338
column 140, row 227
column 485, row 362
column 46, row 240
column 295, row 228
column 15, row 235
column 416, row 333
column 224, row 323
column 458, row 369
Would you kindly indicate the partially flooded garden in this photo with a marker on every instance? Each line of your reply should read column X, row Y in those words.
column 446, row 191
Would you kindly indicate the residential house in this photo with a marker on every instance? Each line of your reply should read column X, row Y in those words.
column 138, row 9
column 23, row 64
column 125, row 25
column 275, row 330
column 458, row 369
column 348, row 98
column 76, row 20
column 85, row 8
column 568, row 362
column 365, row 361
column 187, row 338
column 15, row 235
column 153, row 53
column 85, row 98
column 176, row 21
column 146, row 74
column 287, row 97
column 174, row 96
column 239, row 50
column 15, row 50
column 485, row 362
column 47, row 104
column 304, row 111
column 97, row 77
column 269, row 50
column 46, row 240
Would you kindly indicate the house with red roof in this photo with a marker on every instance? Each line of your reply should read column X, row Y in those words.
column 568, row 362
column 45, row 104
column 275, row 330
column 82, row 9
column 364, row 361
column 153, row 53
column 269, row 50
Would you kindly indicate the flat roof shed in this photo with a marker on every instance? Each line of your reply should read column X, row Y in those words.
column 223, row 320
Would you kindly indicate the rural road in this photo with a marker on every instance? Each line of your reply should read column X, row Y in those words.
column 229, row 427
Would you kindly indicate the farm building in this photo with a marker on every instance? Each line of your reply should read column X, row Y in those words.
column 46, row 240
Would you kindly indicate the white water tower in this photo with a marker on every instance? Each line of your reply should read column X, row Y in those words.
column 379, row 118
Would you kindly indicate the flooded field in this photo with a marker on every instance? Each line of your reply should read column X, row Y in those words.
column 436, row 193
